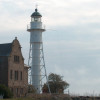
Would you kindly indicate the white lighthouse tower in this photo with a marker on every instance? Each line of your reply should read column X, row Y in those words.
column 36, row 56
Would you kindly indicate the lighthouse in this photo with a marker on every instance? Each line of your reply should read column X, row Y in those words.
column 36, row 56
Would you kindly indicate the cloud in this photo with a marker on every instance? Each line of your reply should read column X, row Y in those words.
column 63, row 13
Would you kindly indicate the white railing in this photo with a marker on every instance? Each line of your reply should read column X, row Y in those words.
column 35, row 27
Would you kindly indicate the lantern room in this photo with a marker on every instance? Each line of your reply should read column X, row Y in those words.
column 36, row 16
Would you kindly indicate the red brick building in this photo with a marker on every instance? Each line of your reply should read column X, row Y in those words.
column 13, row 72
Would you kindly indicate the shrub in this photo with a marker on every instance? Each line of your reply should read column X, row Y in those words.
column 5, row 91
column 31, row 89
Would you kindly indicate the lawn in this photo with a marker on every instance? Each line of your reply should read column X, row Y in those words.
column 19, row 99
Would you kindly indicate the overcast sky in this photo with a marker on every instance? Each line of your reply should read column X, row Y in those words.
column 71, row 42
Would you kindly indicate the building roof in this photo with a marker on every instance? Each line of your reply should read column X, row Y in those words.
column 5, row 49
column 36, row 13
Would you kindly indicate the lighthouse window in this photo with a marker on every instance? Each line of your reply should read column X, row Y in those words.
column 39, row 19
column 32, row 19
column 36, row 19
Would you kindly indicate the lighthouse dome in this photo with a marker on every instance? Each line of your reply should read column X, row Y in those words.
column 36, row 13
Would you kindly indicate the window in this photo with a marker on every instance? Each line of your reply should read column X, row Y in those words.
column 11, row 72
column 16, row 58
column 17, row 91
column 36, row 19
column 32, row 19
column 16, row 75
column 21, row 75
column 21, row 90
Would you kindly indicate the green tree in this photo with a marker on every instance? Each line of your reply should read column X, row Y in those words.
column 31, row 89
column 56, row 84
column 5, row 91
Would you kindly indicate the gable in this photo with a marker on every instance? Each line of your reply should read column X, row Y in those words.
column 11, row 50
column 16, row 49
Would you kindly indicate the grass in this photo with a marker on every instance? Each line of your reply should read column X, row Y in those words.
column 55, row 97
column 19, row 99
